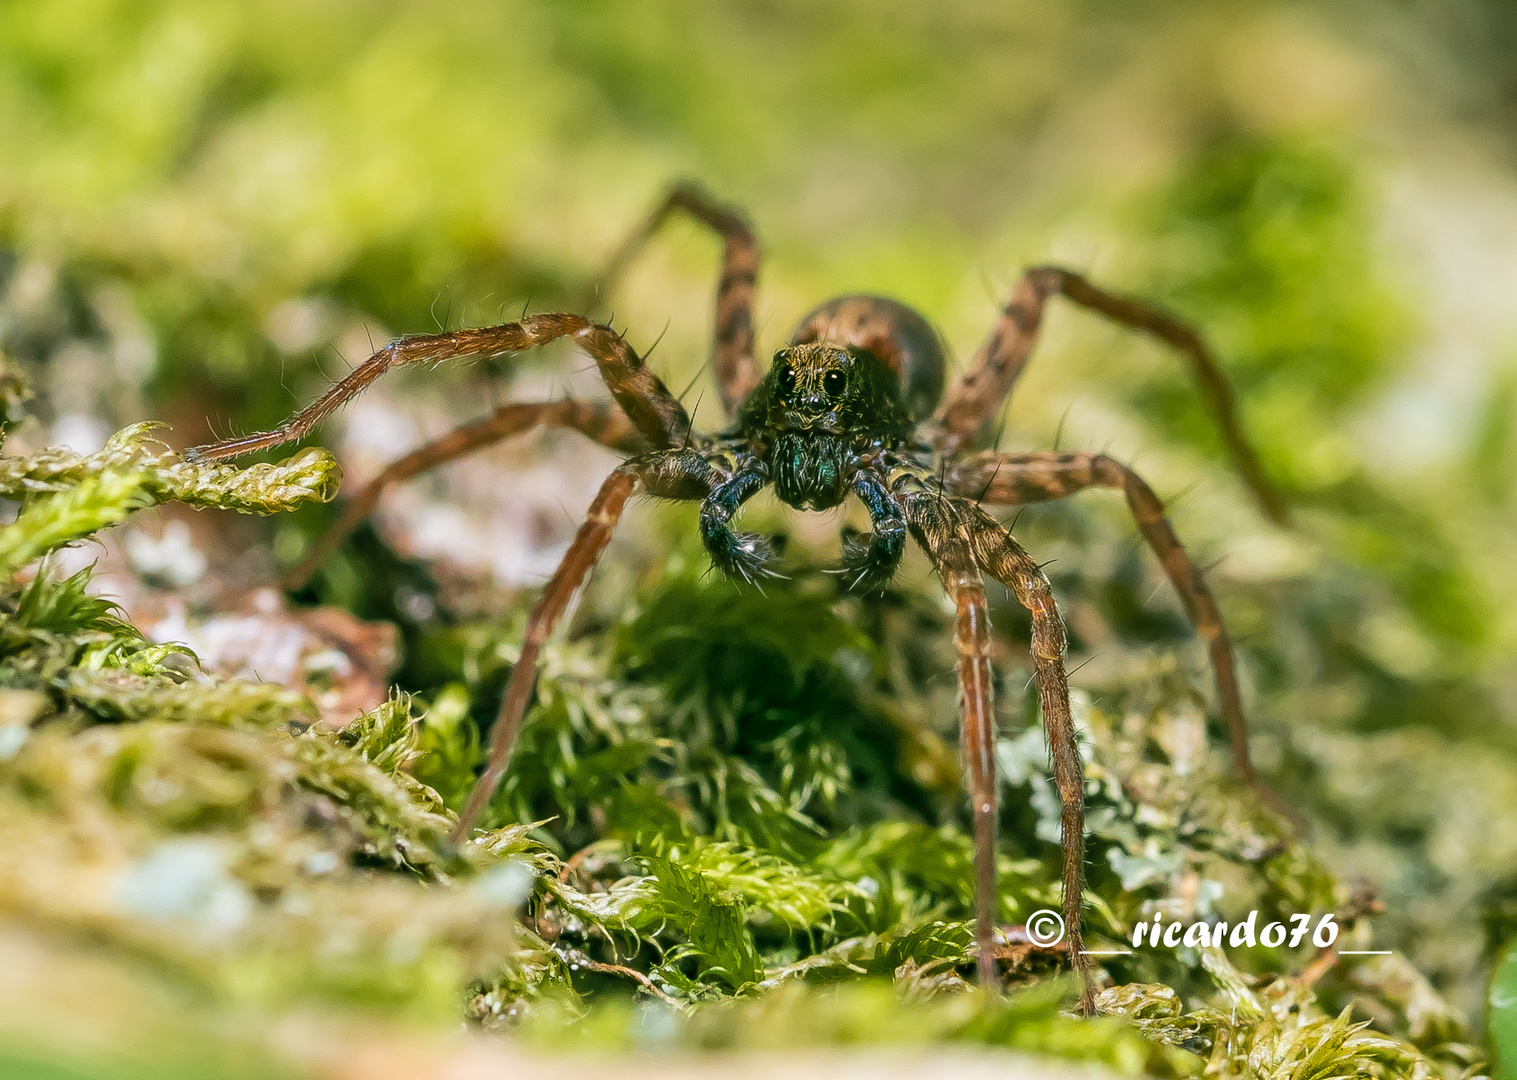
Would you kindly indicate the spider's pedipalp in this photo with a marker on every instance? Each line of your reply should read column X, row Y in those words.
column 870, row 565
column 740, row 555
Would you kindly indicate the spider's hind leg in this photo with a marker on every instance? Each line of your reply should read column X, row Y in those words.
column 732, row 340
column 966, row 412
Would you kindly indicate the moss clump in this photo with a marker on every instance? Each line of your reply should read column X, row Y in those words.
column 735, row 810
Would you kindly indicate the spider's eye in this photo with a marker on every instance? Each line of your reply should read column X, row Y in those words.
column 786, row 381
column 834, row 382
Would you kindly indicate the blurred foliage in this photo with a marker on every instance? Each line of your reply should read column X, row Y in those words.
column 1504, row 1014
column 745, row 810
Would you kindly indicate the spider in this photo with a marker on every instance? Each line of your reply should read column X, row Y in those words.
column 854, row 406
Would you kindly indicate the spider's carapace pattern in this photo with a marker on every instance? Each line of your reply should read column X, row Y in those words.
column 852, row 406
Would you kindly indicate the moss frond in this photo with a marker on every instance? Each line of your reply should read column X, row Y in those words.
column 265, row 488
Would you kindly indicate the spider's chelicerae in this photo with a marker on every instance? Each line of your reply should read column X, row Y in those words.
column 852, row 406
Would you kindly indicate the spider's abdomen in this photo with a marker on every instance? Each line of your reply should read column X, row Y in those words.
column 904, row 341
column 808, row 469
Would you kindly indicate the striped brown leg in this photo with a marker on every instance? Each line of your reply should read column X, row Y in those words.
column 1011, row 479
column 732, row 347
column 960, row 540
column 969, row 407
column 936, row 526
column 1009, row 563
column 671, row 474
column 603, row 423
column 647, row 403
column 584, row 551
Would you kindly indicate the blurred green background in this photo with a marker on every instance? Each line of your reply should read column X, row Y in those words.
column 203, row 206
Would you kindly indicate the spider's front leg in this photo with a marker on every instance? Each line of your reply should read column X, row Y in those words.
column 936, row 526
column 1009, row 563
column 642, row 397
column 669, row 474
column 584, row 552
column 960, row 539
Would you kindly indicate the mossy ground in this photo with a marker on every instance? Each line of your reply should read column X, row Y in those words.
column 740, row 813
column 736, row 820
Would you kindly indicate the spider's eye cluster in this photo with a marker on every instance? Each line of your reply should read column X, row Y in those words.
column 786, row 381
column 834, row 383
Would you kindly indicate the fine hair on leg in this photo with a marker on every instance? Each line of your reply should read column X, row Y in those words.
column 643, row 397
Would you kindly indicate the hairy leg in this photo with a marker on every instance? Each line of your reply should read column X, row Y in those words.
column 740, row 555
column 584, row 551
column 647, row 403
column 935, row 523
column 604, row 424
column 732, row 346
column 967, row 410
column 674, row 474
column 1010, row 479
column 871, row 565
column 1009, row 563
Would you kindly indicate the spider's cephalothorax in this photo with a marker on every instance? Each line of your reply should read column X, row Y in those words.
column 816, row 414
column 836, row 412
column 849, row 407
column 818, row 426
column 821, row 410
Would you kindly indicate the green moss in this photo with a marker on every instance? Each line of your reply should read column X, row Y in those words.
column 162, row 475
column 734, row 820
column 721, row 815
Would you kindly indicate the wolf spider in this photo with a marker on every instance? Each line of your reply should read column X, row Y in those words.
column 852, row 405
